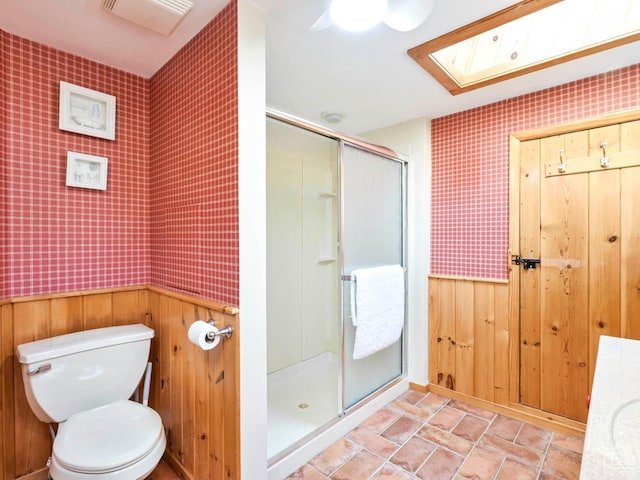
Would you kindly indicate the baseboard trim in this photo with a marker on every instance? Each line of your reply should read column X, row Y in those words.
column 419, row 388
column 41, row 474
column 529, row 415
column 176, row 466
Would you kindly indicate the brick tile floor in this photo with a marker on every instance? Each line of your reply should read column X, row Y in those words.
column 430, row 437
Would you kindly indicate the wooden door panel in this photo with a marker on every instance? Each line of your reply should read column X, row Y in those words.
column 630, row 236
column 604, row 258
column 530, row 293
column 604, row 242
column 609, row 135
column 585, row 227
column 630, row 253
column 564, row 271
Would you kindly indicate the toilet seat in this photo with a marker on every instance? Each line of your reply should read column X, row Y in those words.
column 108, row 438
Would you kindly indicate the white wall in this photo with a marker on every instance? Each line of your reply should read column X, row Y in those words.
column 412, row 140
column 251, row 193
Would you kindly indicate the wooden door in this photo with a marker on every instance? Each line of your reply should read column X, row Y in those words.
column 582, row 220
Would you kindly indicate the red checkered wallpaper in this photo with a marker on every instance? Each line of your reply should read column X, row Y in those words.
column 194, row 167
column 470, row 167
column 171, row 195
column 59, row 238
column 4, row 270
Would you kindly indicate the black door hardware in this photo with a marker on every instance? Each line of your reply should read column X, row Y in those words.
column 527, row 262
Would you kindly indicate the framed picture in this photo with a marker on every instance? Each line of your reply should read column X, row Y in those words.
column 86, row 171
column 86, row 111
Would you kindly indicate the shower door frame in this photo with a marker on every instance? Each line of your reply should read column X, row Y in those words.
column 390, row 155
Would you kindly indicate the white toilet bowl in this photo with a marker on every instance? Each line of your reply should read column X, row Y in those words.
column 82, row 381
column 120, row 441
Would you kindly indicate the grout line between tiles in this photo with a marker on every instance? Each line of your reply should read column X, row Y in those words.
column 504, row 460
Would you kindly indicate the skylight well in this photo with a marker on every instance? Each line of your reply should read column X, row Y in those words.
column 525, row 37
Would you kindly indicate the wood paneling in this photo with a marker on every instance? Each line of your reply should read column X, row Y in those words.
column 501, row 351
column 470, row 345
column 32, row 321
column 582, row 218
column 484, row 340
column 604, row 246
column 530, row 248
column 630, row 238
column 489, row 380
column 564, row 308
column 7, row 438
column 485, row 316
column 464, row 336
column 195, row 392
column 442, row 354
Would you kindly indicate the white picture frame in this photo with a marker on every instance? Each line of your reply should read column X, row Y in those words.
column 87, row 111
column 86, row 171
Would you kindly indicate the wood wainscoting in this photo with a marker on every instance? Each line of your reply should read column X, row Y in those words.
column 473, row 353
column 469, row 337
column 195, row 392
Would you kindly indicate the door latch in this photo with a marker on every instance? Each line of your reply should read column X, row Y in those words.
column 528, row 263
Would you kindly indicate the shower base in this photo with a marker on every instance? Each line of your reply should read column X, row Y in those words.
column 300, row 399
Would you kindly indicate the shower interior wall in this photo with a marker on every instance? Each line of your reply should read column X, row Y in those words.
column 302, row 266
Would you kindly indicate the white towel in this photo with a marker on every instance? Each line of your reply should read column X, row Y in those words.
column 377, row 308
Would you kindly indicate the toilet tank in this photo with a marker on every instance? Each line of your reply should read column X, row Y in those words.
column 71, row 373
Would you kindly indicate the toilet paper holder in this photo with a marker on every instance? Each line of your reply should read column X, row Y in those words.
column 225, row 332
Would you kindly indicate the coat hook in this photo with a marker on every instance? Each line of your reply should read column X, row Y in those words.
column 604, row 161
column 562, row 166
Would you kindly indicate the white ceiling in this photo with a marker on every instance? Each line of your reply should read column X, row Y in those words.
column 368, row 77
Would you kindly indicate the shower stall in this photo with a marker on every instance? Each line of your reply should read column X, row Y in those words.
column 334, row 204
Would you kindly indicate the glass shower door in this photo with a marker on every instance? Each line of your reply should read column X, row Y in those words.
column 372, row 235
column 331, row 208
column 303, row 342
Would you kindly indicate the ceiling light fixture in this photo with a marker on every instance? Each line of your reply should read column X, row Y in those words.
column 407, row 15
column 361, row 15
column 357, row 15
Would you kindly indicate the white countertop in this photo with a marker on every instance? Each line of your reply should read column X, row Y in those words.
column 612, row 440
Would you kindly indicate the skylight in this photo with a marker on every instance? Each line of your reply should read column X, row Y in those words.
column 525, row 37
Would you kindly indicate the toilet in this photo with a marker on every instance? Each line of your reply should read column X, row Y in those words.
column 83, row 382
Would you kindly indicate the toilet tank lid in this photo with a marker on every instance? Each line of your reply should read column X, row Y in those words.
column 70, row 343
